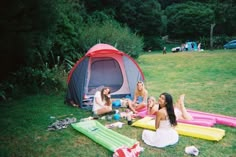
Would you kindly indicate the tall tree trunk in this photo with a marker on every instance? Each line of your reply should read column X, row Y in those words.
column 211, row 35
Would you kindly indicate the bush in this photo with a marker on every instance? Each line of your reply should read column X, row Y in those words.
column 153, row 43
column 111, row 32
column 5, row 88
column 30, row 80
column 218, row 41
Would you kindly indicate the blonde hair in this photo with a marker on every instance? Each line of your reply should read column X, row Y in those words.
column 142, row 92
column 152, row 98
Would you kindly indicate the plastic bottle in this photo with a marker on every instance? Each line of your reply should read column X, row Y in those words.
column 129, row 118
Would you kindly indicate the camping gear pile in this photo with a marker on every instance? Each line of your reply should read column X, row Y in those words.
column 61, row 124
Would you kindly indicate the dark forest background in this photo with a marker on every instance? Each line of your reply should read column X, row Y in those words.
column 41, row 40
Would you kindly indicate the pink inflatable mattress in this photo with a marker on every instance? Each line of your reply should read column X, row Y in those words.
column 220, row 119
column 202, row 121
column 204, row 118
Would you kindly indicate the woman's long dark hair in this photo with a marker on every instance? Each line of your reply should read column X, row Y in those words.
column 170, row 109
column 105, row 97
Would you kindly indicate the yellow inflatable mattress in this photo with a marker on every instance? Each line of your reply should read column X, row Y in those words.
column 206, row 133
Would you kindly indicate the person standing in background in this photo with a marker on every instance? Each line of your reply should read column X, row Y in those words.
column 164, row 50
column 199, row 46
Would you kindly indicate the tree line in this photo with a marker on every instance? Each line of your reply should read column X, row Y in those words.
column 40, row 39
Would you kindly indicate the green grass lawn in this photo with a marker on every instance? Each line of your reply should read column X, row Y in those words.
column 207, row 78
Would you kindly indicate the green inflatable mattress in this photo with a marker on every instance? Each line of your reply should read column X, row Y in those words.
column 102, row 135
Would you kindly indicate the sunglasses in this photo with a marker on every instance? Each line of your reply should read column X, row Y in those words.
column 140, row 82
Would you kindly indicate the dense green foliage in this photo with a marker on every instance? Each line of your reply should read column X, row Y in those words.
column 52, row 34
column 112, row 33
column 207, row 78
column 41, row 35
column 144, row 18
column 190, row 19
column 25, row 28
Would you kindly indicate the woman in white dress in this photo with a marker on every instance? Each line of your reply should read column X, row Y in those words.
column 165, row 122
column 179, row 108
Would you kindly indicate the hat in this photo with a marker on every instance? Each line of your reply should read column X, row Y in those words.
column 192, row 150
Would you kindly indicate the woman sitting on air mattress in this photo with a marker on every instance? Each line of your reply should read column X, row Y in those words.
column 179, row 108
column 165, row 122
column 140, row 98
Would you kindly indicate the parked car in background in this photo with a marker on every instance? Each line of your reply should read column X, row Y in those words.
column 176, row 49
column 230, row 45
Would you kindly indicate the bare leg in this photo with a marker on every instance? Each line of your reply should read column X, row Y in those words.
column 182, row 108
column 178, row 103
column 140, row 106
column 130, row 104
column 104, row 110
